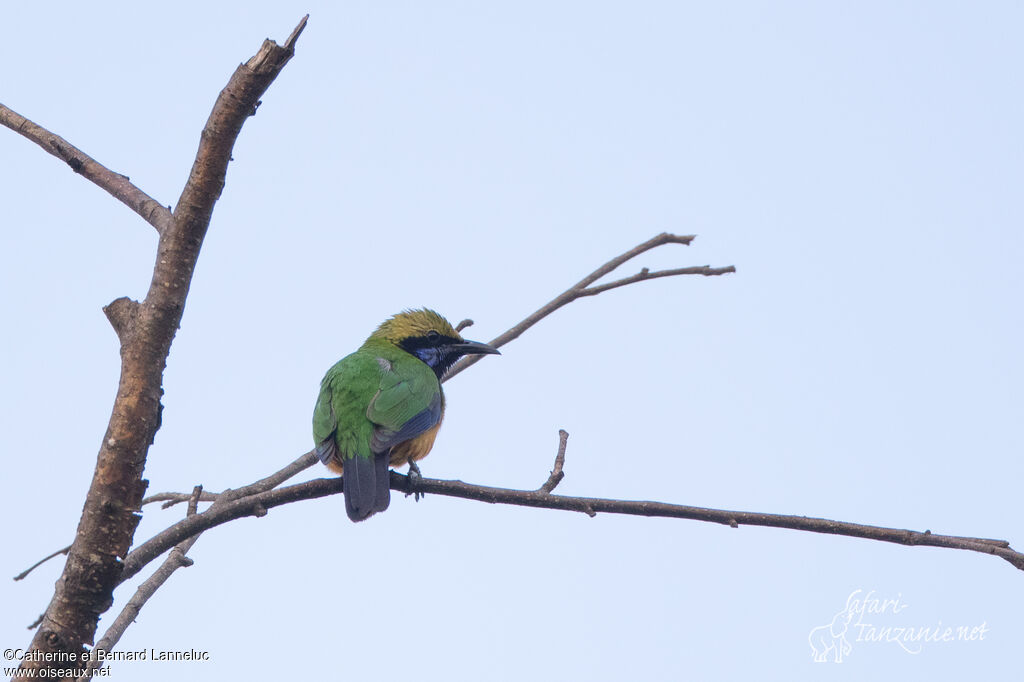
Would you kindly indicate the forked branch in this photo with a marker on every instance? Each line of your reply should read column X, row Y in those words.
column 583, row 288
column 175, row 560
column 146, row 330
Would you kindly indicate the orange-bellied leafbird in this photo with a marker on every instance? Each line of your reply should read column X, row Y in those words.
column 382, row 405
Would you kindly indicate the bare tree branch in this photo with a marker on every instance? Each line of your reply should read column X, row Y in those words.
column 142, row 555
column 275, row 479
column 146, row 330
column 556, row 473
column 583, row 288
column 303, row 462
column 24, row 574
column 171, row 499
column 168, row 499
column 175, row 560
column 119, row 186
column 734, row 519
column 259, row 503
column 255, row 504
column 645, row 274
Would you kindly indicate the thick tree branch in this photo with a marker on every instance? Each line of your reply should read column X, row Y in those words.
column 122, row 314
column 119, row 186
column 110, row 515
column 583, row 288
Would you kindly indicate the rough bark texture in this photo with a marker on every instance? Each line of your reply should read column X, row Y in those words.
column 146, row 330
column 119, row 186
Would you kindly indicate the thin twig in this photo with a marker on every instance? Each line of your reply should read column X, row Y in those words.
column 168, row 499
column 42, row 561
column 171, row 499
column 275, row 479
column 646, row 274
column 556, row 473
column 117, row 185
column 303, row 462
column 175, row 560
column 583, row 288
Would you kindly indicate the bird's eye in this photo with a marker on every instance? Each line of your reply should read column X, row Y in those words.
column 433, row 335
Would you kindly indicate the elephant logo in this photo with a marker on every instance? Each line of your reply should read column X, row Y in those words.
column 832, row 637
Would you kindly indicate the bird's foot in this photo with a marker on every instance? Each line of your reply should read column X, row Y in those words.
column 414, row 481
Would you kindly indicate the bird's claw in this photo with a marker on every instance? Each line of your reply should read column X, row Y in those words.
column 414, row 481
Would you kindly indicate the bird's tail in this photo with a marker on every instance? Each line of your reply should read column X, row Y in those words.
column 367, row 486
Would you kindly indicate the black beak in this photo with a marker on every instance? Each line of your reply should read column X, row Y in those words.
column 474, row 348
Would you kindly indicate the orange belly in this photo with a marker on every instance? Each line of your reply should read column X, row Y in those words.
column 414, row 449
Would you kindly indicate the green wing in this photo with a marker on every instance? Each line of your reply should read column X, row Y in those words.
column 340, row 426
column 325, row 422
column 368, row 405
column 407, row 403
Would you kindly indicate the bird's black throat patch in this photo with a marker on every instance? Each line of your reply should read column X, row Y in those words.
column 436, row 350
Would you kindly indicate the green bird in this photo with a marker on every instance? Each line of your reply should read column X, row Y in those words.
column 383, row 405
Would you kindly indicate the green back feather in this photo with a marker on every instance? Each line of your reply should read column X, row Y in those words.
column 377, row 389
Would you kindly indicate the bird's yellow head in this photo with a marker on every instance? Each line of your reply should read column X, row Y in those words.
column 412, row 323
column 429, row 337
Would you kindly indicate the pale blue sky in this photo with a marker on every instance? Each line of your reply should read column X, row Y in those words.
column 860, row 164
